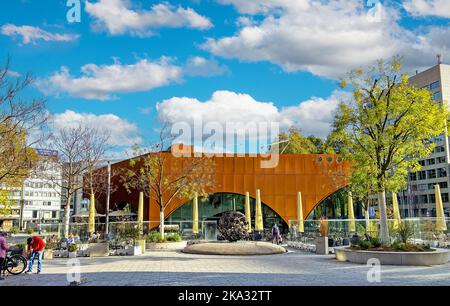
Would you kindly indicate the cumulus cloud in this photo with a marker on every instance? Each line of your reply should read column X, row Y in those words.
column 122, row 133
column 313, row 116
column 438, row 8
column 31, row 34
column 200, row 66
column 101, row 82
column 327, row 38
column 117, row 17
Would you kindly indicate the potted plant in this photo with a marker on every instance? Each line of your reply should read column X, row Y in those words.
column 131, row 236
column 72, row 250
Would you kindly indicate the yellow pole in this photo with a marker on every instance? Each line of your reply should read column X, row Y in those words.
column 440, row 217
column 248, row 215
column 195, row 214
column 396, row 211
column 92, row 214
column 140, row 215
column 300, row 223
column 351, row 214
column 258, row 216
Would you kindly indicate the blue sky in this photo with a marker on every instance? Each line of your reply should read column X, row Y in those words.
column 236, row 56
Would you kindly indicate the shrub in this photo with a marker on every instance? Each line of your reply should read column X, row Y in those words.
column 14, row 230
column 375, row 242
column 174, row 237
column 365, row 244
column 405, row 231
column 154, row 237
column 233, row 226
column 30, row 231
column 72, row 248
column 171, row 228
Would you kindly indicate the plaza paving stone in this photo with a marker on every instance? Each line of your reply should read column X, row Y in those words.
column 174, row 268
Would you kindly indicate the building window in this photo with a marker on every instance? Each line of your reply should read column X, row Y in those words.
column 439, row 149
column 440, row 160
column 431, row 173
column 444, row 197
column 434, row 85
column 430, row 161
column 421, row 175
column 422, row 187
column 35, row 214
column 423, row 199
column 422, row 163
column 442, row 172
column 413, row 176
column 432, row 198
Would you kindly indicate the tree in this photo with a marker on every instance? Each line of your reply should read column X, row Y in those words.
column 80, row 150
column 18, row 117
column 159, row 174
column 294, row 142
column 386, row 128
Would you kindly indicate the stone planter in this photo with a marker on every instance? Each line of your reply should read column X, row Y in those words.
column 437, row 257
column 99, row 249
column 72, row 254
column 166, row 245
column 322, row 245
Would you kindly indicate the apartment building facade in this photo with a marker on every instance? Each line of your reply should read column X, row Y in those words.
column 418, row 200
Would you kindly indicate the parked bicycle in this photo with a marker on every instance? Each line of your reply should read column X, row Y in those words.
column 15, row 264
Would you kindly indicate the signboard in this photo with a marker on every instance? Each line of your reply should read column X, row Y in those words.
column 46, row 152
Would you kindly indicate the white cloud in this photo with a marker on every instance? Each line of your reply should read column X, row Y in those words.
column 439, row 8
column 200, row 66
column 313, row 116
column 327, row 38
column 122, row 133
column 117, row 17
column 101, row 82
column 31, row 34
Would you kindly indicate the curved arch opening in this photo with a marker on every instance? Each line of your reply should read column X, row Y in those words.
column 212, row 207
column 335, row 206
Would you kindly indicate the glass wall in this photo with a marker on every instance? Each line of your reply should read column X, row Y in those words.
column 335, row 207
column 212, row 207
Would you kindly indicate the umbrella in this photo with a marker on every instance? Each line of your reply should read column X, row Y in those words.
column 258, row 216
column 440, row 218
column 351, row 214
column 92, row 214
column 141, row 211
column 396, row 211
column 247, row 211
column 300, row 223
column 195, row 214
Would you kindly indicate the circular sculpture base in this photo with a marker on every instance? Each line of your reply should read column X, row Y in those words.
column 437, row 257
column 235, row 248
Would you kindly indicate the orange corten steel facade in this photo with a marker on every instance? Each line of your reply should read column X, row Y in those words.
column 315, row 176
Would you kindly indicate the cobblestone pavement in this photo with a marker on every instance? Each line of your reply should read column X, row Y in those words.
column 175, row 268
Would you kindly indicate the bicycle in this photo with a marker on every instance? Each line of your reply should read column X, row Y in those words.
column 15, row 264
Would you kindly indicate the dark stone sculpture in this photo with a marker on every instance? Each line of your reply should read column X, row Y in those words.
column 232, row 226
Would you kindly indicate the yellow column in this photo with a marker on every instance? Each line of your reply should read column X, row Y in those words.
column 396, row 211
column 140, row 216
column 195, row 214
column 300, row 223
column 91, row 226
column 351, row 214
column 258, row 214
column 440, row 217
column 247, row 211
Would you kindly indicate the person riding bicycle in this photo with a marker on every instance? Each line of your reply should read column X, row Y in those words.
column 35, row 249
column 3, row 249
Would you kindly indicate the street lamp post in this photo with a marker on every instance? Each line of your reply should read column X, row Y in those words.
column 108, row 191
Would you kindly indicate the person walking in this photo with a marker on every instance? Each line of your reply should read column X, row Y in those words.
column 35, row 249
column 275, row 234
column 3, row 249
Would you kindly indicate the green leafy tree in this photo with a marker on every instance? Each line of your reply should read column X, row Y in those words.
column 386, row 128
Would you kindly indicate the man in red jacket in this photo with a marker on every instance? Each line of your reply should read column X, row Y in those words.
column 36, row 246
